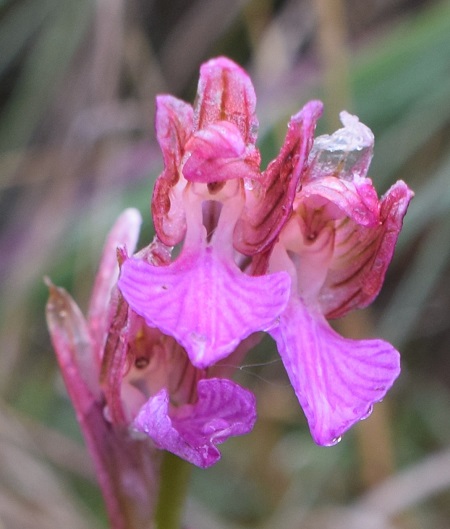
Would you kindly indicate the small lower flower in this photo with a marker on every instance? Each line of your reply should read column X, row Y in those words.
column 152, row 387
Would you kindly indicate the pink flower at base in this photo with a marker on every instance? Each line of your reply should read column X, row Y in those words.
column 151, row 386
column 337, row 246
column 115, row 370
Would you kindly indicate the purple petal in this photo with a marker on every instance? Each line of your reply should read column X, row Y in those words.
column 269, row 204
column 336, row 380
column 204, row 301
column 223, row 409
column 217, row 153
column 226, row 93
column 362, row 255
column 174, row 124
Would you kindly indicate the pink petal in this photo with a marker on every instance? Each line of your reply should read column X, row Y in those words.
column 217, row 153
column 223, row 409
column 74, row 349
column 204, row 301
column 362, row 255
column 125, row 232
column 336, row 380
column 355, row 200
column 269, row 204
column 115, row 359
column 174, row 124
column 226, row 93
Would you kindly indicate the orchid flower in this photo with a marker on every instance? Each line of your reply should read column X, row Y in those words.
column 237, row 251
column 312, row 216
column 336, row 247
column 203, row 298
column 151, row 384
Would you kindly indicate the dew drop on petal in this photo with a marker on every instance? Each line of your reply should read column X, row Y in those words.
column 367, row 414
column 249, row 184
column 334, row 441
column 107, row 414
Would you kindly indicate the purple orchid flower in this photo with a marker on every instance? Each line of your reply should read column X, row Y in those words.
column 280, row 250
column 150, row 383
column 203, row 298
column 129, row 382
column 336, row 246
column 312, row 216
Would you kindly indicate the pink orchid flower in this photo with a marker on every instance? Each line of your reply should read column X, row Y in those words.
column 312, row 216
column 336, row 246
column 150, row 383
column 130, row 383
column 203, row 298
column 280, row 250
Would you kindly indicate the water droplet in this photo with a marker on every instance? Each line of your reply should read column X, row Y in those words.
column 107, row 414
column 249, row 184
column 335, row 441
column 368, row 413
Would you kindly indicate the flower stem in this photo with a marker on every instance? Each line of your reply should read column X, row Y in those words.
column 175, row 473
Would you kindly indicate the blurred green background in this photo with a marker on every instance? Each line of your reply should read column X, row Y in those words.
column 78, row 80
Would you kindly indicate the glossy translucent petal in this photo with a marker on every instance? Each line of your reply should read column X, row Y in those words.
column 346, row 154
column 223, row 409
column 336, row 380
column 204, row 301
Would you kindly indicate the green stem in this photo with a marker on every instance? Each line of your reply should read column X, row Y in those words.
column 175, row 473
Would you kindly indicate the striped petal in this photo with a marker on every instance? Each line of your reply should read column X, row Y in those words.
column 174, row 123
column 269, row 202
column 223, row 409
column 362, row 254
column 336, row 380
column 226, row 93
column 204, row 301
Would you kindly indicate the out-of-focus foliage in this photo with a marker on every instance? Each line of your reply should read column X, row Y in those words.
column 77, row 87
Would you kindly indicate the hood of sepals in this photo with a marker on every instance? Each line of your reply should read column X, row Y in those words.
column 334, row 192
column 214, row 143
